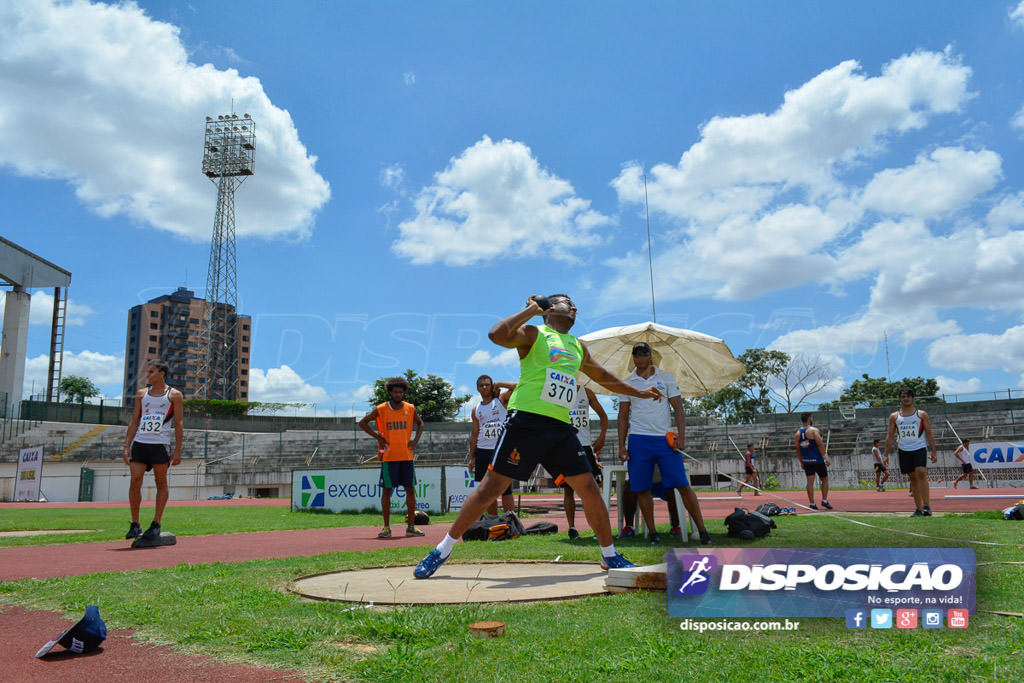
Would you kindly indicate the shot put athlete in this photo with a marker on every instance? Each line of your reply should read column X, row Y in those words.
column 538, row 429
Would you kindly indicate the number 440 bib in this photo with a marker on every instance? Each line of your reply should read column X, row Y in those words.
column 559, row 388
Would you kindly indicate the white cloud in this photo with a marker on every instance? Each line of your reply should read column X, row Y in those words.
column 943, row 181
column 495, row 200
column 972, row 352
column 1008, row 213
column 283, row 385
column 948, row 385
column 392, row 176
column 105, row 98
column 483, row 358
column 106, row 371
column 866, row 332
column 41, row 309
column 757, row 190
column 1017, row 122
column 1017, row 15
column 409, row 78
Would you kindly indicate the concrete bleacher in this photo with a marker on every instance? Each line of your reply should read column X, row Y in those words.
column 248, row 460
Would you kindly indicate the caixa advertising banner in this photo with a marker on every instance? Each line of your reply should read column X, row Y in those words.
column 816, row 582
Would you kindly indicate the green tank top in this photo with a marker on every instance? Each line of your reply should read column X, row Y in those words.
column 547, row 375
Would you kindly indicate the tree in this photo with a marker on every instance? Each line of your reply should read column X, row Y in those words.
column 802, row 377
column 771, row 377
column 74, row 386
column 433, row 396
column 730, row 405
column 877, row 391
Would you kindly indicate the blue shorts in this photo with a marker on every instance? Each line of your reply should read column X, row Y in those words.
column 644, row 452
column 397, row 473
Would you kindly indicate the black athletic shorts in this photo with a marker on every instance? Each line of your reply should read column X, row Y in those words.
column 967, row 468
column 594, row 469
column 815, row 468
column 879, row 467
column 481, row 461
column 395, row 473
column 530, row 439
column 911, row 460
column 150, row 454
column 749, row 470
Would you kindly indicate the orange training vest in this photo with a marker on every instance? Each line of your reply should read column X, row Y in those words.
column 396, row 426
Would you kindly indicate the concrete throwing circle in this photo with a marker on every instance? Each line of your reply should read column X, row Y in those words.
column 457, row 583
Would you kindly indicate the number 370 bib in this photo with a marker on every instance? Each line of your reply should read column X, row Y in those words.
column 559, row 388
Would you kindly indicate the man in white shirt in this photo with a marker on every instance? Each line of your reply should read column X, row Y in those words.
column 647, row 423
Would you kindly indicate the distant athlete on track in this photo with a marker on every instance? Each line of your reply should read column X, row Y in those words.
column 881, row 466
column 147, row 443
column 912, row 428
column 811, row 452
column 395, row 420
column 538, row 429
column 488, row 424
column 963, row 454
column 750, row 471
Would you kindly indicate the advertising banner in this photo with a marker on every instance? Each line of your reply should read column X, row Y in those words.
column 355, row 490
column 997, row 454
column 817, row 582
column 459, row 483
column 29, row 474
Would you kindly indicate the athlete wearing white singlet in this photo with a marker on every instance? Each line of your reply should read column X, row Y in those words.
column 579, row 418
column 913, row 430
column 488, row 423
column 147, row 445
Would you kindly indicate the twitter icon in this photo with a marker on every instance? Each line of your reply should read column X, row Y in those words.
column 881, row 618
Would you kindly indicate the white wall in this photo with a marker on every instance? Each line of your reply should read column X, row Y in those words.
column 110, row 482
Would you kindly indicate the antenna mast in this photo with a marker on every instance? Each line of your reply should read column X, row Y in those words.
column 650, row 254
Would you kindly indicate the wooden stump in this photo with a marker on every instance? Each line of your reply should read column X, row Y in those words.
column 487, row 629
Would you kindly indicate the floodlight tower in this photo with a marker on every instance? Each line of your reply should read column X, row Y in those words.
column 228, row 157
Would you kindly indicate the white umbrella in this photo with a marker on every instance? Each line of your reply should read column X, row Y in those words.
column 700, row 363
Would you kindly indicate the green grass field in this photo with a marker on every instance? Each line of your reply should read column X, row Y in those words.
column 240, row 612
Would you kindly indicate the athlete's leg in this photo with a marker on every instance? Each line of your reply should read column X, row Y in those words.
column 410, row 505
column 922, row 480
column 692, row 506
column 162, row 491
column 824, row 488
column 593, row 506
column 628, row 502
column 508, row 502
column 569, row 502
column 810, row 488
column 645, row 501
column 385, row 506
column 673, row 512
column 138, row 471
column 916, row 486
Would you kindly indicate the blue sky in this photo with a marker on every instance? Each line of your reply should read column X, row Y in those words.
column 819, row 175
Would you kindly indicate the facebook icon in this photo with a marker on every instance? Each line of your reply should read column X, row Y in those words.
column 856, row 618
